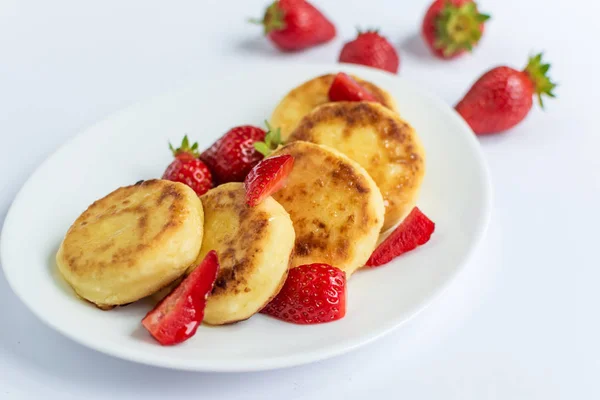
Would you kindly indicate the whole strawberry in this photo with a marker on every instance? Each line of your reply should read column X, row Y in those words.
column 502, row 97
column 232, row 156
column 371, row 49
column 188, row 169
column 295, row 25
column 311, row 294
column 451, row 27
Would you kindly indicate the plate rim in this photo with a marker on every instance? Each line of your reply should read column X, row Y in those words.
column 276, row 362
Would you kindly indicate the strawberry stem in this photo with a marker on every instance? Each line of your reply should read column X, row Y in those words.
column 273, row 19
column 271, row 142
column 537, row 71
column 185, row 148
column 458, row 27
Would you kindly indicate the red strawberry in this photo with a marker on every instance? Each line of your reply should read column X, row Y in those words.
column 295, row 25
column 502, row 97
column 176, row 318
column 232, row 156
column 187, row 169
column 415, row 230
column 371, row 49
column 267, row 177
column 344, row 88
column 451, row 27
column 312, row 294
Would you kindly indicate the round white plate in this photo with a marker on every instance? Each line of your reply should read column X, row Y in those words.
column 132, row 145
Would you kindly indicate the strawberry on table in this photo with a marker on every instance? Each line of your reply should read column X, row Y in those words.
column 451, row 27
column 344, row 88
column 503, row 96
column 371, row 49
column 188, row 169
column 312, row 294
column 296, row 25
column 177, row 317
column 232, row 156
column 414, row 231
column 267, row 177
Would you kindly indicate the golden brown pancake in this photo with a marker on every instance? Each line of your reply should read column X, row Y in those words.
column 304, row 98
column 380, row 141
column 254, row 245
column 132, row 242
column 336, row 208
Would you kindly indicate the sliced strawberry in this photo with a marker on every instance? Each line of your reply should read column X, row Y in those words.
column 177, row 317
column 267, row 177
column 312, row 294
column 415, row 230
column 344, row 88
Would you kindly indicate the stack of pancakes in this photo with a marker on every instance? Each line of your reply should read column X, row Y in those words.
column 358, row 169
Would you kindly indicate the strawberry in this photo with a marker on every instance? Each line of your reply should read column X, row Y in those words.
column 232, row 156
column 344, row 88
column 502, row 97
column 415, row 230
column 267, row 177
column 451, row 27
column 187, row 169
column 311, row 294
column 295, row 25
column 371, row 49
column 177, row 317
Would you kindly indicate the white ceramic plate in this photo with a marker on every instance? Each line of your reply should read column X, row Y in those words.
column 132, row 145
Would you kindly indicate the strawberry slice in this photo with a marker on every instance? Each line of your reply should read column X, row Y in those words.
column 267, row 177
column 176, row 318
column 311, row 294
column 414, row 231
column 344, row 88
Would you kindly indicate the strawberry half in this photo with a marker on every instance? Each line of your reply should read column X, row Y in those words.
column 188, row 169
column 312, row 294
column 177, row 317
column 414, row 231
column 267, row 177
column 344, row 88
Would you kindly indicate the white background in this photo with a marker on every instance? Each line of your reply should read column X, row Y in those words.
column 520, row 322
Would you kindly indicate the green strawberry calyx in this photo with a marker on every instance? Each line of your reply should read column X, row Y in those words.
column 273, row 19
column 537, row 72
column 458, row 27
column 185, row 148
column 271, row 142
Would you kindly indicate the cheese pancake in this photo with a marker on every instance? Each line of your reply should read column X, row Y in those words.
column 254, row 245
column 336, row 207
column 304, row 98
column 380, row 141
column 132, row 242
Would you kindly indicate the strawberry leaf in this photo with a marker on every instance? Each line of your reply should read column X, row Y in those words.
column 458, row 27
column 185, row 148
column 537, row 71
column 262, row 148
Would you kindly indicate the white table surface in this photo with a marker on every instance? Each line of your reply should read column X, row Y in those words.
column 520, row 322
